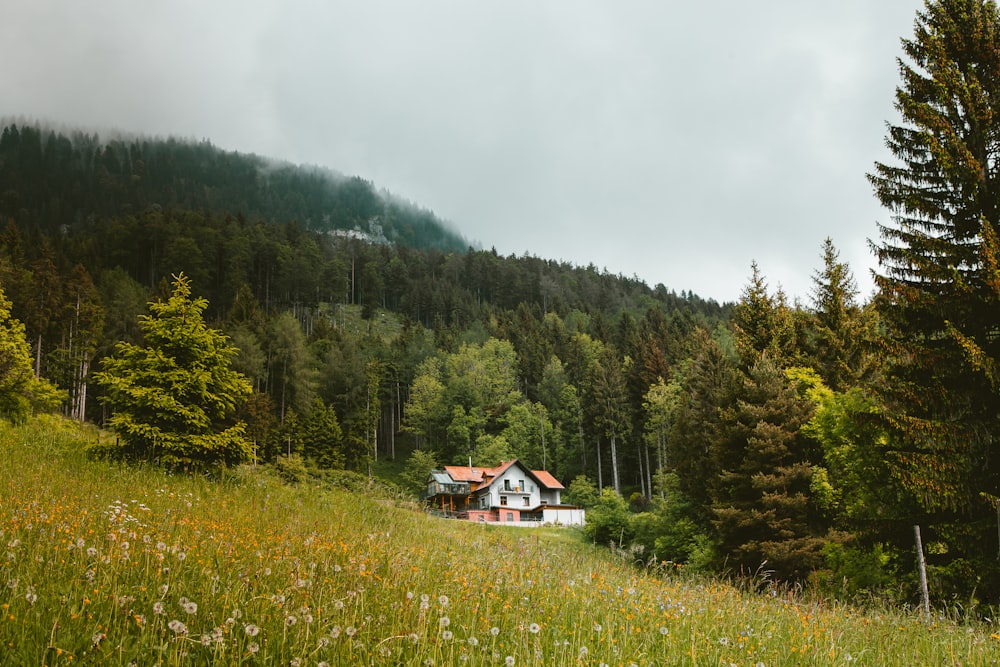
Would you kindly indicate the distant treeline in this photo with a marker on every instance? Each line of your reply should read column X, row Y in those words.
column 54, row 181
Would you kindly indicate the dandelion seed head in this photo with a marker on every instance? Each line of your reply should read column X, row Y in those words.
column 534, row 628
column 251, row 630
column 443, row 600
column 158, row 608
column 413, row 637
column 509, row 661
column 664, row 630
column 350, row 631
column 494, row 631
column 253, row 648
column 447, row 635
column 178, row 627
column 444, row 621
column 190, row 607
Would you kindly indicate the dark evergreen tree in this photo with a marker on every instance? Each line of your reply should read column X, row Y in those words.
column 761, row 497
column 939, row 279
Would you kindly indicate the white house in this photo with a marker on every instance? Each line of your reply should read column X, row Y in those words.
column 507, row 493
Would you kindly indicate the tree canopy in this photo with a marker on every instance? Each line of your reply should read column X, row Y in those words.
column 173, row 398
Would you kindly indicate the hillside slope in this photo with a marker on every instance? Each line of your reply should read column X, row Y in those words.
column 113, row 565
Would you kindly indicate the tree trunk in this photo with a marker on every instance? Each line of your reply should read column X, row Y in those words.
column 614, row 465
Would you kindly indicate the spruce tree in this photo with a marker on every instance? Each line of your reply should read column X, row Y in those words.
column 939, row 278
column 173, row 398
column 939, row 288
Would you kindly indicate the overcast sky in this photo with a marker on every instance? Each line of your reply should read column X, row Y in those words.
column 674, row 141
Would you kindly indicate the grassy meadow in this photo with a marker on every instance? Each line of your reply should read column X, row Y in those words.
column 113, row 565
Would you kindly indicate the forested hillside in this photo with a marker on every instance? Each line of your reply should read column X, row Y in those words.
column 64, row 182
column 792, row 441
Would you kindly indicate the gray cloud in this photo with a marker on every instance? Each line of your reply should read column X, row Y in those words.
column 671, row 140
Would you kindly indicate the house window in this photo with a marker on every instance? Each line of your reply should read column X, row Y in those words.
column 484, row 502
column 526, row 500
column 503, row 500
column 510, row 516
column 506, row 485
column 520, row 485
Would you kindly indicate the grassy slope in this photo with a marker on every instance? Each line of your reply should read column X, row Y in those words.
column 105, row 564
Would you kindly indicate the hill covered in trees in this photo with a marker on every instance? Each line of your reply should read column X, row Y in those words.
column 62, row 182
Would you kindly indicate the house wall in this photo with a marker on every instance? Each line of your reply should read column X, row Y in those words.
column 515, row 475
column 567, row 516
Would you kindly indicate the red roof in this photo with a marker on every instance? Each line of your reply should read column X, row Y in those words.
column 465, row 473
column 547, row 480
column 476, row 475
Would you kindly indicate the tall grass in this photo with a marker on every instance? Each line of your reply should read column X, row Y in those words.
column 104, row 564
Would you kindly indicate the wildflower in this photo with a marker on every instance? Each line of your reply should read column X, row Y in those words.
column 178, row 627
column 724, row 641
column 583, row 652
column 324, row 642
column 447, row 635
column 443, row 600
column 251, row 630
column 473, row 641
column 253, row 648
column 413, row 637
column 664, row 630
column 597, row 627
column 444, row 622
column 217, row 635
column 30, row 595
column 335, row 631
column 91, row 552
column 350, row 631
column 494, row 631
column 190, row 607
column 429, row 662
column 409, row 595
column 97, row 638
column 534, row 628
column 163, row 590
column 290, row 620
column 158, row 608
column 206, row 640
column 509, row 661
column 181, row 555
column 295, row 662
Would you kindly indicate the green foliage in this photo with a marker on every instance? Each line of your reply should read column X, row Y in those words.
column 322, row 439
column 20, row 391
column 608, row 522
column 173, row 399
column 582, row 491
column 418, row 469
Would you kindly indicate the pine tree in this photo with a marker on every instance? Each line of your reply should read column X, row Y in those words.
column 174, row 397
column 939, row 280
